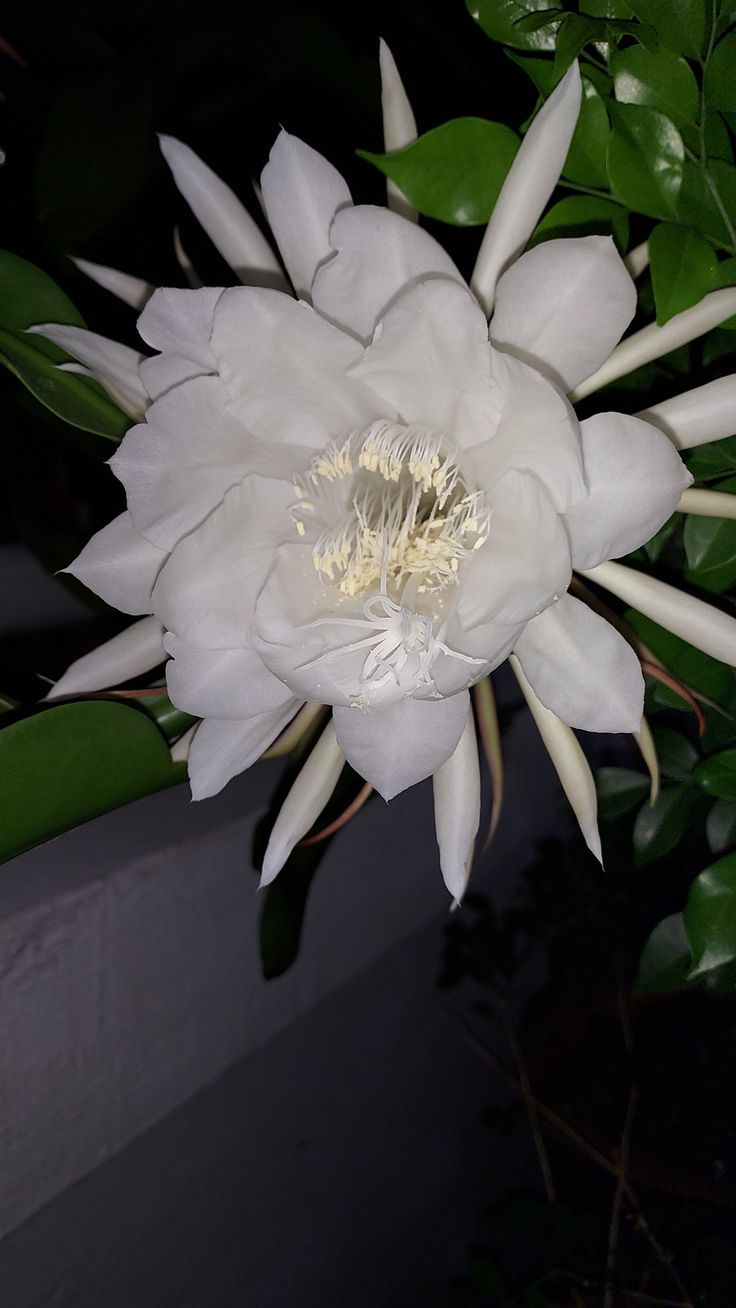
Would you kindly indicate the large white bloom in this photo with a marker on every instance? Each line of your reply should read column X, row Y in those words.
column 363, row 498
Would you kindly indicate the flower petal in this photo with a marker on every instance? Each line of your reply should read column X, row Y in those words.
column 134, row 651
column 178, row 323
column 285, row 369
column 569, row 762
column 114, row 365
column 220, row 683
column 207, row 590
column 563, row 306
column 220, row 750
column 430, row 360
column 226, row 221
column 120, row 565
column 304, row 802
column 582, row 669
column 399, row 124
column 706, row 413
column 525, row 563
column 396, row 747
column 379, row 255
column 705, row 627
column 302, row 192
column 652, row 341
column 531, row 180
column 456, row 786
column 131, row 290
column 635, row 480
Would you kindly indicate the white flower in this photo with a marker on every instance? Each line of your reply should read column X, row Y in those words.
column 359, row 498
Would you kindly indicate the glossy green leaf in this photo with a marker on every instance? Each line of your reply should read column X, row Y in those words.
column 577, row 31
column 645, row 160
column 605, row 8
column 717, row 459
column 66, row 764
column 720, row 75
column 706, row 196
column 720, row 826
column 539, row 69
column 586, row 159
column 665, row 958
column 453, row 172
column 500, row 19
column 75, row 398
column 677, row 755
column 660, row 826
column 710, row 545
column 717, row 775
column 662, row 81
column 703, row 673
column 710, row 917
column 619, row 790
column 584, row 215
column 683, row 268
column 681, row 24
column 28, row 296
column 656, row 545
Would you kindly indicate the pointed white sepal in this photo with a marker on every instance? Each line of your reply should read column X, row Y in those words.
column 569, row 761
column 456, row 787
column 399, row 125
column 708, row 504
column 113, row 365
column 194, row 281
column 530, row 182
column 134, row 651
column 705, row 627
column 637, row 259
column 226, row 221
column 179, row 751
column 648, row 750
column 706, row 413
column 304, row 802
column 652, row 341
column 131, row 290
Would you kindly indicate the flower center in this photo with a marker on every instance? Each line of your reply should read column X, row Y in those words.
column 408, row 513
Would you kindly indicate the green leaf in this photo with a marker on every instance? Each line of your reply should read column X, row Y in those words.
column 720, row 75
column 710, row 545
column 586, row 159
column 720, row 826
column 584, row 215
column 574, row 34
column 606, row 8
column 68, row 763
column 168, row 718
column 662, row 81
column 645, row 160
column 665, row 958
column 683, row 268
column 453, row 172
column 699, row 670
column 29, row 297
column 698, row 202
column 619, row 790
column 540, row 69
column 500, row 20
column 681, row 24
column 710, row 917
column 717, row 775
column 75, row 398
column 714, row 460
column 660, row 826
column 677, row 756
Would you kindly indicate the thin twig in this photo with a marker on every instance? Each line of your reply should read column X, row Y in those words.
column 530, row 1103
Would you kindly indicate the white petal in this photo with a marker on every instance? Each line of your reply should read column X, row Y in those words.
column 635, row 480
column 525, row 563
column 563, row 306
column 220, row 683
column 708, row 503
column 285, row 369
column 178, row 323
column 537, row 433
column 134, row 651
column 120, row 565
column 430, row 360
column 379, row 255
column 131, row 290
column 304, row 802
column 302, row 192
column 207, row 590
column 702, row 625
column 114, row 365
column 220, row 750
column 706, row 413
column 530, row 182
column 652, row 342
column 194, row 281
column 582, row 669
column 396, row 747
column 569, row 762
column 399, row 124
column 226, row 221
column 457, row 810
